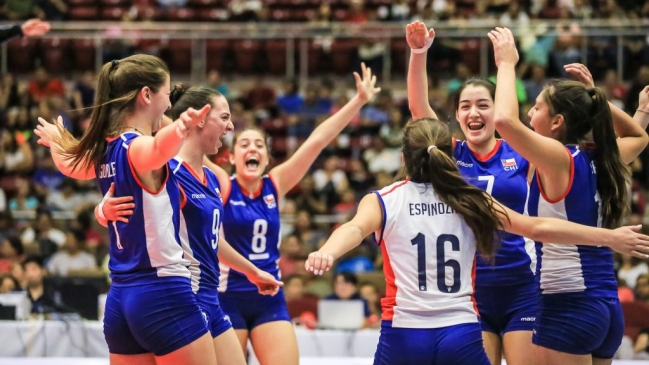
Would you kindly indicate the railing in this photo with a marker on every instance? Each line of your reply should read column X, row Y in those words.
column 298, row 34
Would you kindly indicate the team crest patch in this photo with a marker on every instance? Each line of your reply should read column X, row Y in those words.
column 218, row 193
column 509, row 164
column 270, row 201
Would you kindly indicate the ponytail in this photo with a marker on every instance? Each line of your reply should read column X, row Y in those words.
column 612, row 173
column 427, row 149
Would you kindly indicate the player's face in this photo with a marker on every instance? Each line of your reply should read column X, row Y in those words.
column 160, row 102
column 217, row 125
column 475, row 114
column 540, row 118
column 250, row 154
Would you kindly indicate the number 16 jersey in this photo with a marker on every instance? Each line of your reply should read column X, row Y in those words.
column 251, row 224
column 429, row 259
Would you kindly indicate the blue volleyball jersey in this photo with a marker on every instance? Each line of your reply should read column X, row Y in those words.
column 200, row 220
column 574, row 268
column 148, row 245
column 251, row 224
column 503, row 174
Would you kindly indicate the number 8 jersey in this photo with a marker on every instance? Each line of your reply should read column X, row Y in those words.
column 429, row 259
column 251, row 225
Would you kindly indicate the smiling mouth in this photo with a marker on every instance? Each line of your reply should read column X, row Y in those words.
column 475, row 126
column 252, row 163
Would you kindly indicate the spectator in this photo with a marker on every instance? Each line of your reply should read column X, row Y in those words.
column 213, row 81
column 66, row 198
column 172, row 3
column 43, row 231
column 21, row 10
column 72, row 257
column 302, row 307
column 34, row 275
column 382, row 158
column 290, row 102
column 292, row 256
column 43, row 86
column 309, row 234
column 18, row 273
column 330, row 181
column 11, row 252
column 536, row 83
column 370, row 293
column 347, row 204
column 84, row 91
column 630, row 269
column 8, row 284
column 642, row 288
column 56, row 10
column 24, row 199
column 346, row 288
column 9, row 95
column 6, row 224
column 360, row 180
column 391, row 132
column 16, row 155
column 47, row 178
column 308, row 199
column 377, row 112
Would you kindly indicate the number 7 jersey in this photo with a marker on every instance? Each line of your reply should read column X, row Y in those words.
column 251, row 225
column 429, row 259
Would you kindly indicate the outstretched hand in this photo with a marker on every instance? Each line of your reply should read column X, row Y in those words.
column 416, row 33
column 35, row 28
column 580, row 73
column 48, row 132
column 505, row 52
column 631, row 242
column 191, row 117
column 366, row 87
column 318, row 262
column 643, row 100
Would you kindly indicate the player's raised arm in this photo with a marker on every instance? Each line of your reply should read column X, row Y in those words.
column 419, row 39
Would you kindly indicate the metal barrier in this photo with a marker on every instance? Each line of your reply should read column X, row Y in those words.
column 298, row 34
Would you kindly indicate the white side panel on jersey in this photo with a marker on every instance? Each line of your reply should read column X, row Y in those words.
column 194, row 264
column 561, row 270
column 419, row 245
column 223, row 277
column 165, row 253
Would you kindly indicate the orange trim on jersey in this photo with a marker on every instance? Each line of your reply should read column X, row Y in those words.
column 396, row 186
column 565, row 194
column 225, row 193
column 111, row 139
column 183, row 197
column 483, row 158
column 390, row 300
column 189, row 168
column 475, row 304
column 137, row 179
column 247, row 193
column 454, row 141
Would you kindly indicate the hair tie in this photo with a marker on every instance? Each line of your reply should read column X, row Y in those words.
column 430, row 148
column 114, row 63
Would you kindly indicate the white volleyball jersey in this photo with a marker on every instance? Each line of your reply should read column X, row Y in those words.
column 429, row 259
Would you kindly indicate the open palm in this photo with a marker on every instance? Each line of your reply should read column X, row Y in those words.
column 366, row 86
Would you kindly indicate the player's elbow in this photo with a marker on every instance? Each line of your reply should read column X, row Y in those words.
column 539, row 230
column 501, row 121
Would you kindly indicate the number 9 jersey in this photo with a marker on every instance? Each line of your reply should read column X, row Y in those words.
column 429, row 259
column 251, row 225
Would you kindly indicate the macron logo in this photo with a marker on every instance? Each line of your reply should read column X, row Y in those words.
column 238, row 202
column 198, row 196
column 528, row 319
column 463, row 164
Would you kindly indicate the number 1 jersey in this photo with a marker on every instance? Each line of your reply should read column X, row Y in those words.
column 428, row 259
column 251, row 225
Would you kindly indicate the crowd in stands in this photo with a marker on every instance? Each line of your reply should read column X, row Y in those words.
column 46, row 223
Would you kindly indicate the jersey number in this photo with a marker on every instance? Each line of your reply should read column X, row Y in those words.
column 490, row 182
column 420, row 242
column 216, row 224
column 259, row 230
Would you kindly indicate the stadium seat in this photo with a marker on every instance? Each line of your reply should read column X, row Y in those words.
column 77, row 3
column 246, row 54
column 180, row 55
column 276, row 56
column 83, row 54
column 21, row 55
column 280, row 15
column 180, row 15
column 204, row 3
column 84, row 13
column 54, row 54
column 113, row 13
column 112, row 3
column 343, row 54
column 279, row 145
column 399, row 54
column 471, row 55
column 218, row 52
column 212, row 15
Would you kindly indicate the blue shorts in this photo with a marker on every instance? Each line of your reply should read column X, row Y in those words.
column 248, row 310
column 580, row 325
column 217, row 321
column 159, row 317
column 508, row 308
column 455, row 345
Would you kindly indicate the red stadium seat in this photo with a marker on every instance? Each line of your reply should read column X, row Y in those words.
column 279, row 145
column 113, row 13
column 343, row 54
column 204, row 3
column 77, row 3
column 212, row 15
column 218, row 51
column 471, row 54
column 83, row 54
column 315, row 54
column 276, row 56
column 180, row 55
column 54, row 54
column 399, row 54
column 281, row 15
column 84, row 13
column 276, row 126
column 21, row 55
column 112, row 3
column 246, row 53
column 181, row 15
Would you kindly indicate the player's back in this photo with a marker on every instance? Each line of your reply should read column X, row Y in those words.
column 429, row 259
column 147, row 246
column 200, row 221
column 574, row 268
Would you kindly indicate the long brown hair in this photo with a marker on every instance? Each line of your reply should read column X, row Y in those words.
column 586, row 110
column 480, row 211
column 118, row 85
